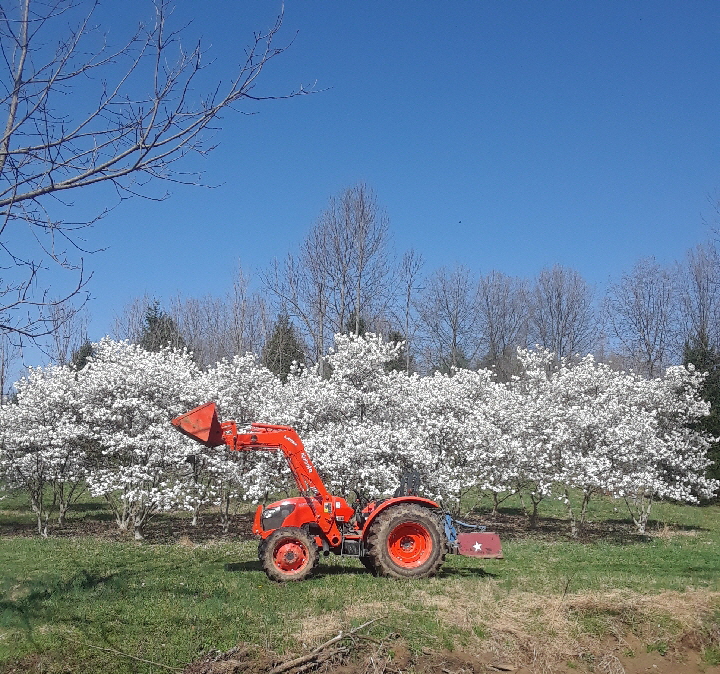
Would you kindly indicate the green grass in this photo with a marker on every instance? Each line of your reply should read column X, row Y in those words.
column 77, row 603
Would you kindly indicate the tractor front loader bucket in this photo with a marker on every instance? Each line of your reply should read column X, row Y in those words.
column 201, row 424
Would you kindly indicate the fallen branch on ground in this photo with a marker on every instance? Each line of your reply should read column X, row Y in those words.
column 321, row 653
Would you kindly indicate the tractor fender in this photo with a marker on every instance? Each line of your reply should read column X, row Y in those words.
column 389, row 503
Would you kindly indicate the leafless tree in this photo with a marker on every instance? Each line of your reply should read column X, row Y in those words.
column 9, row 353
column 68, row 332
column 368, row 225
column 408, row 278
column 563, row 317
column 503, row 314
column 643, row 315
column 203, row 323
column 82, row 113
column 300, row 290
column 222, row 327
column 448, row 313
column 130, row 322
column 251, row 320
column 212, row 327
column 700, row 295
column 339, row 279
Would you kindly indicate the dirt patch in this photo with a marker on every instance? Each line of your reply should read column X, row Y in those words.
column 162, row 528
column 393, row 656
column 619, row 632
column 170, row 527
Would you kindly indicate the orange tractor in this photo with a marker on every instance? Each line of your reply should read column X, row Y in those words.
column 405, row 536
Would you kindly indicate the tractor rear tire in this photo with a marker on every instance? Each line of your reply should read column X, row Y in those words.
column 288, row 554
column 406, row 541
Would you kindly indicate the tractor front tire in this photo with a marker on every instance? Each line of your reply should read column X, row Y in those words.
column 406, row 541
column 288, row 554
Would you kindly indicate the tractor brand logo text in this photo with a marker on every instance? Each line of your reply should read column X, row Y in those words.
column 306, row 461
column 290, row 440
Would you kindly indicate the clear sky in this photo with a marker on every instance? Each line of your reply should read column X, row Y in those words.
column 506, row 135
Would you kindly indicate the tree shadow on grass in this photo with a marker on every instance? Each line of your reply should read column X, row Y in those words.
column 234, row 567
column 465, row 572
column 32, row 601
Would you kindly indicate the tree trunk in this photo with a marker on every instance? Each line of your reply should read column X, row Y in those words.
column 225, row 513
column 574, row 529
column 640, row 511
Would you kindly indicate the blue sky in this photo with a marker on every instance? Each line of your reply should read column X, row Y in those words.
column 501, row 135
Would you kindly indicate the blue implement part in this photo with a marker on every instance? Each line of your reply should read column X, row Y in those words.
column 450, row 530
column 480, row 544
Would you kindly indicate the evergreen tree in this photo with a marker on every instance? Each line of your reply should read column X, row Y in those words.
column 706, row 358
column 283, row 348
column 400, row 362
column 356, row 326
column 160, row 330
column 80, row 356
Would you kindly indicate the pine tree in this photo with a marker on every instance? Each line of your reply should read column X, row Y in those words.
column 80, row 356
column 356, row 325
column 400, row 363
column 283, row 348
column 160, row 330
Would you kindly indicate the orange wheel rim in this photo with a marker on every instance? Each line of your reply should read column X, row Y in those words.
column 290, row 555
column 410, row 544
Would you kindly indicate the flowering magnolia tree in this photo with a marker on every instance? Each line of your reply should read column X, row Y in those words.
column 41, row 452
column 129, row 395
column 570, row 431
column 589, row 429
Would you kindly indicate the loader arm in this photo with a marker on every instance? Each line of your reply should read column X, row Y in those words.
column 283, row 439
column 202, row 425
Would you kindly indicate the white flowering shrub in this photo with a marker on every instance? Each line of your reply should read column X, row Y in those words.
column 245, row 391
column 128, row 396
column 41, row 452
column 589, row 429
column 567, row 432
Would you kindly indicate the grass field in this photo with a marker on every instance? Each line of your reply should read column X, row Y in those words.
column 87, row 600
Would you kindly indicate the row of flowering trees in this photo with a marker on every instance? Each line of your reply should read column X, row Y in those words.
column 570, row 432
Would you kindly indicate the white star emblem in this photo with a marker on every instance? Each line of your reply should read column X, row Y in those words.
column 477, row 547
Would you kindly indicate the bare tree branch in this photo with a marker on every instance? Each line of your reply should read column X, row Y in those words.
column 81, row 112
column 643, row 314
column 563, row 315
column 339, row 280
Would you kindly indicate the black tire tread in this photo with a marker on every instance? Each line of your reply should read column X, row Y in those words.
column 380, row 531
column 268, row 546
